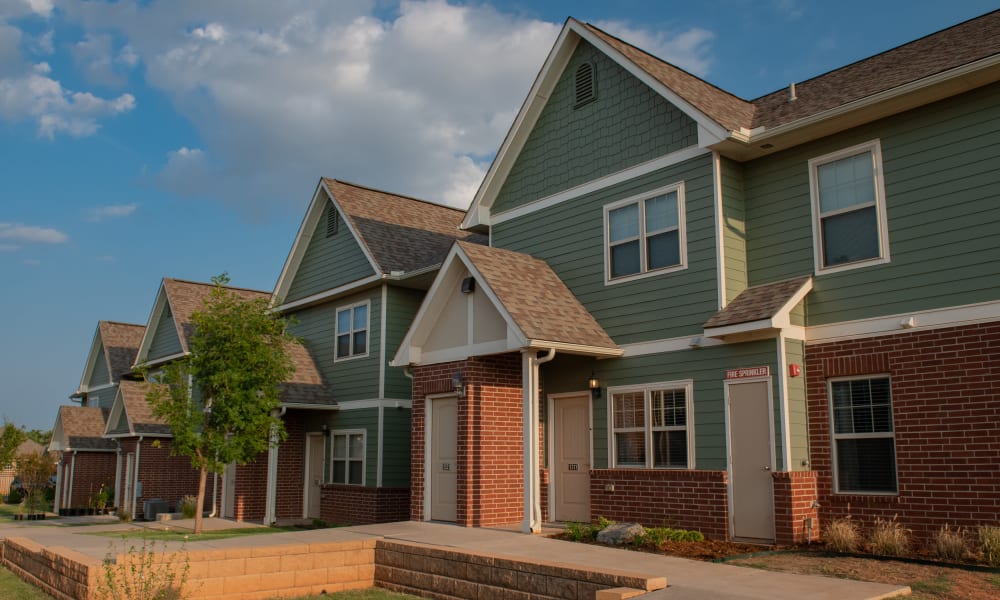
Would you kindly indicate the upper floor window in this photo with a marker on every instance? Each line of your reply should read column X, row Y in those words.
column 645, row 235
column 352, row 330
column 848, row 199
column 652, row 426
column 864, row 445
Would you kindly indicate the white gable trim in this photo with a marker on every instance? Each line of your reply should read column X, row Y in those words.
column 709, row 132
column 154, row 318
column 59, row 441
column 305, row 234
column 117, row 410
column 96, row 345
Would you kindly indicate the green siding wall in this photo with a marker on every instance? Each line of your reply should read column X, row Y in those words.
column 569, row 237
column 396, row 447
column 328, row 262
column 353, row 379
column 104, row 398
column 941, row 186
column 165, row 341
column 100, row 374
column 403, row 304
column 366, row 419
column 798, row 425
column 628, row 124
column 706, row 366
column 733, row 228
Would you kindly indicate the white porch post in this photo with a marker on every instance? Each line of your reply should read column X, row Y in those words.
column 532, row 521
column 59, row 478
column 272, row 478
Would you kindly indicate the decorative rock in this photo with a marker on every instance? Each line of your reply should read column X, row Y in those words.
column 619, row 533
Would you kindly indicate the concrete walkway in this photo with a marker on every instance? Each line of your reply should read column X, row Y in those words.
column 686, row 579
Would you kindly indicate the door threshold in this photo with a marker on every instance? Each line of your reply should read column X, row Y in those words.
column 752, row 541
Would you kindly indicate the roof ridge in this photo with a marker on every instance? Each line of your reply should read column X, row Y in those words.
column 666, row 62
column 208, row 284
column 120, row 323
column 874, row 56
column 388, row 193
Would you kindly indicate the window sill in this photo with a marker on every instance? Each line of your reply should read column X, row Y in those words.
column 851, row 266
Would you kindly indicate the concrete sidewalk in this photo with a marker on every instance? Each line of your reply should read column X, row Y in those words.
column 686, row 579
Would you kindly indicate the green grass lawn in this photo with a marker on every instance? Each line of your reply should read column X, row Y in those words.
column 369, row 594
column 182, row 535
column 12, row 588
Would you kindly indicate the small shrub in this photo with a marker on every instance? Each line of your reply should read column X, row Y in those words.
column 842, row 535
column 576, row 532
column 655, row 536
column 889, row 538
column 949, row 544
column 15, row 496
column 143, row 572
column 124, row 515
column 188, row 506
column 989, row 544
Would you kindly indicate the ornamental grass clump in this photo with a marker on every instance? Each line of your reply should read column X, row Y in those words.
column 889, row 538
column 842, row 535
column 949, row 544
column 143, row 572
column 189, row 506
column 989, row 544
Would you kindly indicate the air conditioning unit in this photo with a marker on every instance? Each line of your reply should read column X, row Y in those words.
column 153, row 507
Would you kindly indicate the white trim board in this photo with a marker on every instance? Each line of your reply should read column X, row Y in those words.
column 374, row 403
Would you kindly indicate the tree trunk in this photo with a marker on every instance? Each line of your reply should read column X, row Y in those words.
column 202, row 476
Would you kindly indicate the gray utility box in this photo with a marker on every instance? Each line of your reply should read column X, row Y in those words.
column 153, row 507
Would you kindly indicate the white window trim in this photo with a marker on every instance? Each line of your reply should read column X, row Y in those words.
column 681, row 228
column 337, row 332
column 875, row 148
column 687, row 385
column 364, row 456
column 834, row 436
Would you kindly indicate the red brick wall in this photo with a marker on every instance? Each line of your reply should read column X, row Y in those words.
column 251, row 479
column 794, row 502
column 359, row 505
column 90, row 471
column 663, row 497
column 490, row 458
column 946, row 412
column 163, row 476
column 251, row 490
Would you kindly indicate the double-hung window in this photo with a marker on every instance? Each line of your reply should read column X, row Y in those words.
column 848, row 203
column 347, row 457
column 645, row 234
column 864, row 445
column 352, row 330
column 652, row 426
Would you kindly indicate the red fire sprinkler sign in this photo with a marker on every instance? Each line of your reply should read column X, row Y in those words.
column 748, row 372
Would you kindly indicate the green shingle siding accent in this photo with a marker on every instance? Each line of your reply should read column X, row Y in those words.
column 798, row 425
column 940, row 172
column 403, row 304
column 733, row 228
column 328, row 262
column 352, row 379
column 104, row 398
column 798, row 314
column 396, row 447
column 569, row 236
column 165, row 341
column 706, row 366
column 99, row 375
column 628, row 124
column 366, row 419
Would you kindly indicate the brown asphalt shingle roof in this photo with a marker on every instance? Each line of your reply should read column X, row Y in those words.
column 757, row 303
column 140, row 413
column 401, row 233
column 83, row 428
column 938, row 52
column 537, row 300
column 121, row 344
column 306, row 386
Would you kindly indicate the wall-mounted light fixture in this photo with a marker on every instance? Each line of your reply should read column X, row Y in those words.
column 468, row 285
column 594, row 384
column 458, row 384
column 326, row 430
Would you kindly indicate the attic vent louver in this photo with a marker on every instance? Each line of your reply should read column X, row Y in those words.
column 332, row 221
column 586, row 84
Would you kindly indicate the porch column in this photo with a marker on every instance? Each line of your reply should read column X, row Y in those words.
column 532, row 521
column 59, row 485
column 272, row 479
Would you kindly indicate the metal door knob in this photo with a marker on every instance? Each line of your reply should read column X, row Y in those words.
column 765, row 468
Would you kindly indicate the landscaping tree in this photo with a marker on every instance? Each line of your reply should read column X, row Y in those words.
column 10, row 438
column 42, row 436
column 238, row 357
column 34, row 469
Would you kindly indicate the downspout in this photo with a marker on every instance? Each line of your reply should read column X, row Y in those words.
column 118, row 476
column 69, row 487
column 272, row 473
column 532, row 480
column 135, row 476
column 215, row 496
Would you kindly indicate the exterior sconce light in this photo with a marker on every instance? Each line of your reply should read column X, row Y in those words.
column 594, row 385
column 468, row 285
column 458, row 384
column 326, row 430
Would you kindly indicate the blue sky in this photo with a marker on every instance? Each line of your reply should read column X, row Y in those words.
column 147, row 139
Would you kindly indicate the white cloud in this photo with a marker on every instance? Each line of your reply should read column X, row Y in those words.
column 31, row 262
column 102, row 213
column 689, row 49
column 11, row 232
column 8, row 247
column 56, row 109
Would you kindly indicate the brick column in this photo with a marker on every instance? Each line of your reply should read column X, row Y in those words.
column 795, row 507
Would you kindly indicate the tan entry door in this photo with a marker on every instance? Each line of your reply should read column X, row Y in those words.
column 571, row 458
column 314, row 478
column 444, row 459
column 750, row 459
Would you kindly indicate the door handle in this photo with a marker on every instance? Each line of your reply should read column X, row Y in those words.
column 765, row 468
